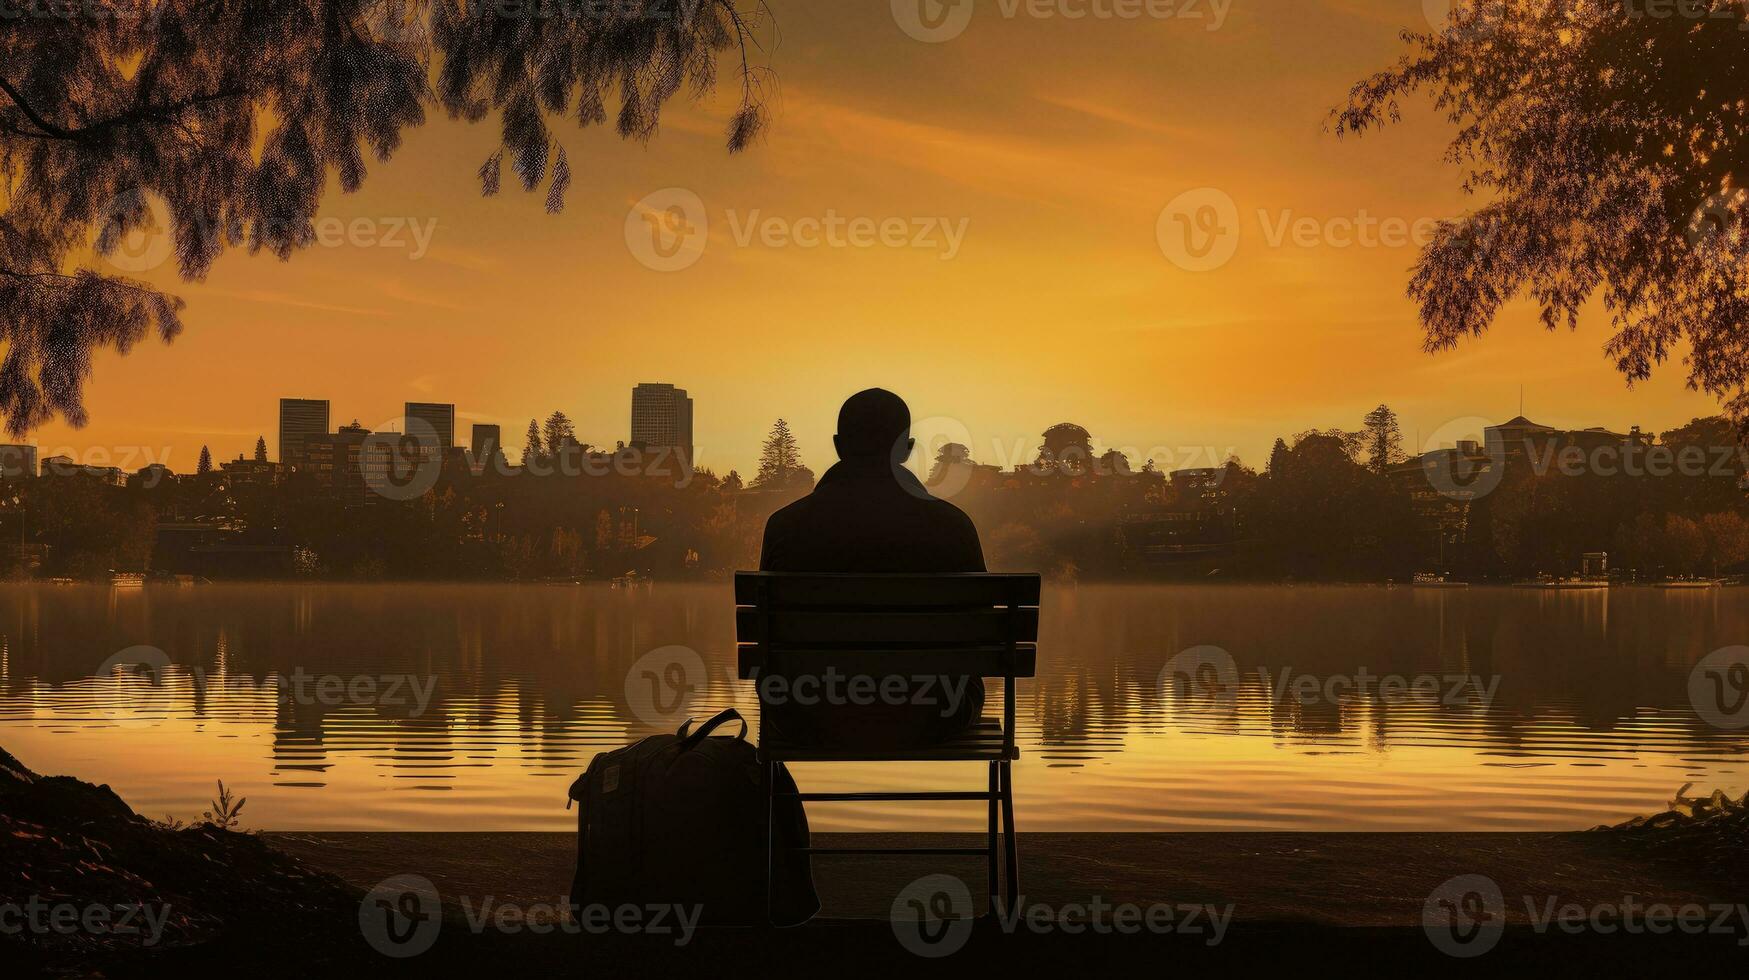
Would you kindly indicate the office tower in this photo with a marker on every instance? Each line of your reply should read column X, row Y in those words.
column 300, row 419
column 485, row 446
column 662, row 418
column 439, row 418
column 339, row 462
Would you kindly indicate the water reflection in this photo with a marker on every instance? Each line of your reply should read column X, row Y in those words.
column 430, row 707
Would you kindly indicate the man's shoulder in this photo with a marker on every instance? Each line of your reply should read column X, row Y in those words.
column 947, row 511
column 792, row 511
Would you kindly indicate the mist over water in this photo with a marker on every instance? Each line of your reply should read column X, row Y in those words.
column 420, row 707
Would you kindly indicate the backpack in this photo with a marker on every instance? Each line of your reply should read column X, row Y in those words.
column 680, row 820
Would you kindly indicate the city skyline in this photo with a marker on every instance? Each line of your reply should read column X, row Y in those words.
column 1005, row 452
column 1060, row 165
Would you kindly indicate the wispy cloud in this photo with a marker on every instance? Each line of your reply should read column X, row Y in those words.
column 286, row 299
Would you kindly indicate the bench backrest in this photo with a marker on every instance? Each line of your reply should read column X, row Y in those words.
column 978, row 623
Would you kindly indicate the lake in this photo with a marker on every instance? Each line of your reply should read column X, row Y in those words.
column 472, row 707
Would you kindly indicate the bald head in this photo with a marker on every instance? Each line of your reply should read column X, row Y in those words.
column 874, row 424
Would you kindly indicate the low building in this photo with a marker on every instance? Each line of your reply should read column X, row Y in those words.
column 17, row 462
column 151, row 475
column 241, row 472
column 65, row 467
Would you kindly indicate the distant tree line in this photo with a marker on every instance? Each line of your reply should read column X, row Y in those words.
column 1329, row 505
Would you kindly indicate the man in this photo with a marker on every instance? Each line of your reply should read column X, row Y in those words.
column 870, row 514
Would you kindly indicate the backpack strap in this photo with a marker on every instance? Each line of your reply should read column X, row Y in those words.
column 687, row 741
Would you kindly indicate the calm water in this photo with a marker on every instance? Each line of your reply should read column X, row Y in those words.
column 1575, row 711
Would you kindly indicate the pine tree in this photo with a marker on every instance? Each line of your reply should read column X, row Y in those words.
column 1277, row 457
column 1382, row 439
column 260, row 449
column 206, row 461
column 779, row 460
column 531, row 447
column 559, row 431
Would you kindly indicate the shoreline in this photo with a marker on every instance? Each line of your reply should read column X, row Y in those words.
column 1358, row 880
column 294, row 903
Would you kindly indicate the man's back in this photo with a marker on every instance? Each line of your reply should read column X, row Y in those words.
column 870, row 514
column 865, row 517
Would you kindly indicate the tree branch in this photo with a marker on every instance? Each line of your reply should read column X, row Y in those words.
column 49, row 129
column 145, row 113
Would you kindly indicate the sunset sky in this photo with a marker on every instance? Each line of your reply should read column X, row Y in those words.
column 1057, row 142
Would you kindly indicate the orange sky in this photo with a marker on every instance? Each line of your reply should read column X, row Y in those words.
column 1056, row 142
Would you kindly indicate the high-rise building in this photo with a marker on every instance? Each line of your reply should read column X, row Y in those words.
column 300, row 419
column 662, row 418
column 17, row 462
column 440, row 419
column 485, row 446
column 338, row 462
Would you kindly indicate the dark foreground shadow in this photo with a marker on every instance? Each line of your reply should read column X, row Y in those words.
column 870, row 949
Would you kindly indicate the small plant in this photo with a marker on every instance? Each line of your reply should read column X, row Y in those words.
column 171, row 823
column 223, row 815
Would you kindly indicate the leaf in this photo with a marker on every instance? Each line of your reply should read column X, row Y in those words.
column 489, row 174
column 561, row 181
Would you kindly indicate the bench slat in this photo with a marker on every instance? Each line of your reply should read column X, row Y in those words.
column 859, row 590
column 754, row 659
column 951, row 627
column 986, row 741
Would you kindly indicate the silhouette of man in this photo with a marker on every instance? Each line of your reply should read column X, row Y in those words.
column 871, row 514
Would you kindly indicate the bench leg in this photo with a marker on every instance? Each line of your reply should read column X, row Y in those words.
column 991, row 839
column 1011, row 852
column 770, row 843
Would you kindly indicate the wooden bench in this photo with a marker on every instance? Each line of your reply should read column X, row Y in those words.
column 904, row 625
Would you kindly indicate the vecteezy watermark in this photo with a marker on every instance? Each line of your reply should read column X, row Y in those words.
column 1687, row 10
column 407, row 20
column 947, row 456
column 402, row 916
column 402, row 465
column 42, row 917
column 1718, row 688
column 668, row 230
column 112, row 464
column 677, row 920
column 578, row 460
column 935, row 21
column 338, row 691
column 1466, row 458
column 1465, row 916
column 1200, row 229
column 135, row 231
column 602, row 11
column 98, row 10
column 151, row 666
column 661, row 686
column 1204, row 681
column 1459, row 462
column 832, row 687
column 1473, row 20
column 932, row 917
column 1716, row 227
column 1451, row 690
